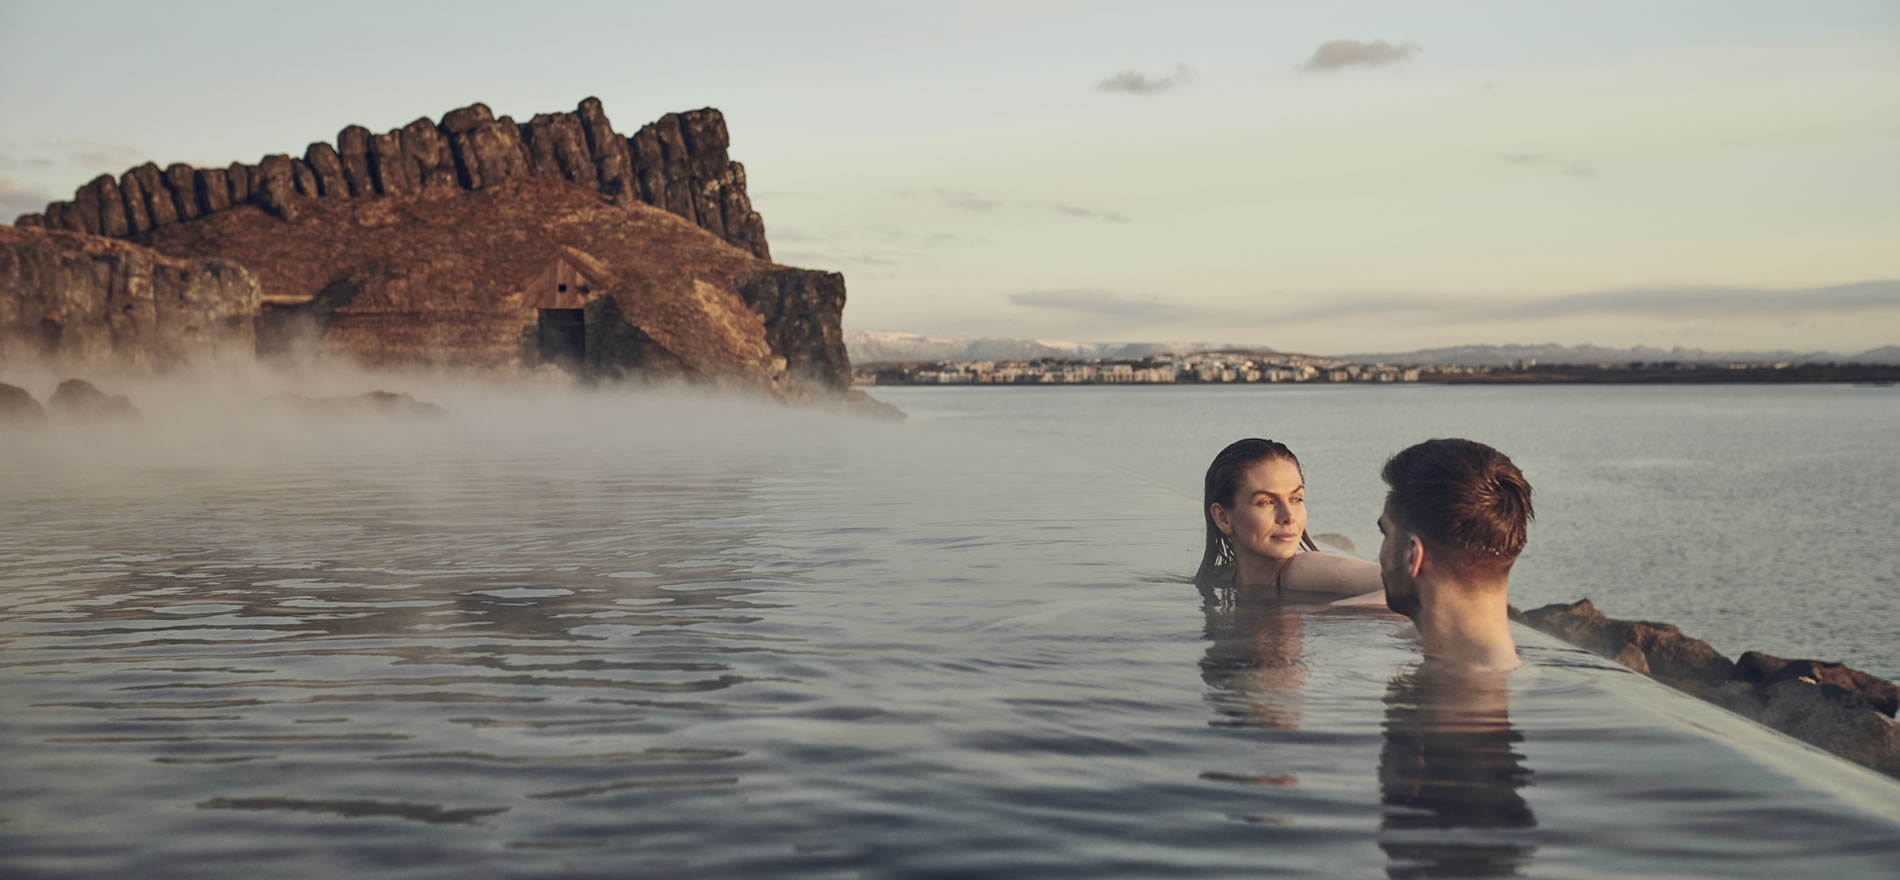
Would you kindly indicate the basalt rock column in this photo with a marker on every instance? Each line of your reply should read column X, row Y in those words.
column 276, row 187
column 132, row 194
column 389, row 169
column 427, row 153
column 613, row 159
column 158, row 199
column 214, row 190
column 352, row 144
column 328, row 167
column 181, row 185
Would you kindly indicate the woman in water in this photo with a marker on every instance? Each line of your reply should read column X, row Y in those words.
column 1254, row 500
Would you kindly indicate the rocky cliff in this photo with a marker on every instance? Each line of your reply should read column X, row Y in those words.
column 678, row 163
column 476, row 242
column 92, row 303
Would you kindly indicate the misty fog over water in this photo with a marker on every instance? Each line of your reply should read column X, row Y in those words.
column 559, row 632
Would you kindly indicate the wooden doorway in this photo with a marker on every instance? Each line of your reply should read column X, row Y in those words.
column 563, row 337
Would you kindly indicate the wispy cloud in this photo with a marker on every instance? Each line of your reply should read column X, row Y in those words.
column 1674, row 303
column 1100, row 303
column 1341, row 54
column 16, row 199
column 10, row 162
column 965, row 201
column 1091, row 214
column 1554, row 163
column 1719, row 302
column 1130, row 82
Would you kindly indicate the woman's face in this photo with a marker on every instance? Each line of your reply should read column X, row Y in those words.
column 1269, row 511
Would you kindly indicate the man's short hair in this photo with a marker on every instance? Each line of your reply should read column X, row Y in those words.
column 1467, row 501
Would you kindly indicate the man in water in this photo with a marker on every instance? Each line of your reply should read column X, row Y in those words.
column 1455, row 519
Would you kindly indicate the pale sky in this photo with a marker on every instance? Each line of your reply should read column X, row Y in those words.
column 1721, row 175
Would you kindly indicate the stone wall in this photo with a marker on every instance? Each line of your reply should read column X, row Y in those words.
column 678, row 163
column 90, row 303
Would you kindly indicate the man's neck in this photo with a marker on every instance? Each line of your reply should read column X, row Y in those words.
column 1467, row 624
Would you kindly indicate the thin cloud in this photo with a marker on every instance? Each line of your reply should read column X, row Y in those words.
column 1719, row 302
column 1090, row 214
column 16, row 200
column 1678, row 303
column 9, row 162
column 1341, row 54
column 1132, row 83
column 1099, row 303
column 966, row 201
column 1554, row 163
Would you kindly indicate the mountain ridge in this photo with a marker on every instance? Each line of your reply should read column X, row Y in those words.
column 868, row 347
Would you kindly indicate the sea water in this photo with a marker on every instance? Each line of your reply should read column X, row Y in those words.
column 671, row 635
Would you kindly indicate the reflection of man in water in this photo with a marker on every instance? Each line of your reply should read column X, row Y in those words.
column 1448, row 763
column 1454, row 522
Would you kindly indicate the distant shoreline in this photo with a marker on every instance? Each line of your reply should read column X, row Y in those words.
column 1802, row 374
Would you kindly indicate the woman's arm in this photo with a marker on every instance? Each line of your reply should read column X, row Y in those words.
column 1326, row 573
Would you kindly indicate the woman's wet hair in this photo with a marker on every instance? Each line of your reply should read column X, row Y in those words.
column 1220, row 486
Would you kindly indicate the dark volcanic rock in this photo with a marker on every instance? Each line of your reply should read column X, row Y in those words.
column 1834, row 720
column 181, row 184
column 214, row 190
column 85, row 210
column 388, row 167
column 87, row 302
column 158, row 199
column 111, row 206
column 238, row 177
column 613, row 159
column 466, row 118
column 132, row 193
column 558, row 143
column 352, row 147
column 328, row 166
column 489, row 152
column 59, row 215
column 1659, row 649
column 428, row 154
column 1838, row 708
column 803, row 311
column 304, row 179
column 275, row 187
column 1766, row 670
column 80, row 399
column 17, row 407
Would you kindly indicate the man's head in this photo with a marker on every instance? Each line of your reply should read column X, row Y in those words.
column 1456, row 511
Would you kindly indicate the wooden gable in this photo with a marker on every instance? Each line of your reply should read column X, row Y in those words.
column 568, row 281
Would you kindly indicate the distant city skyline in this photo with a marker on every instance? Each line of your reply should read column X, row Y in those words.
column 1350, row 177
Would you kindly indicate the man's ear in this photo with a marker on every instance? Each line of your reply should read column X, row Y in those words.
column 1415, row 555
column 1222, row 519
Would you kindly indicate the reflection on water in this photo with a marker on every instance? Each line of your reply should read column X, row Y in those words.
column 609, row 637
column 1450, row 765
column 1253, row 667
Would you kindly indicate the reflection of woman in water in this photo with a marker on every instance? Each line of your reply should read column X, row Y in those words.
column 1254, row 500
column 1252, row 666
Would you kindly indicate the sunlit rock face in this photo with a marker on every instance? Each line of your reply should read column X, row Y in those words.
column 85, row 303
column 477, row 243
